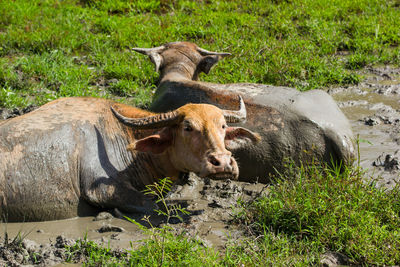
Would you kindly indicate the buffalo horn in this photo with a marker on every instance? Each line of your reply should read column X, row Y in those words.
column 151, row 122
column 235, row 116
column 153, row 53
column 205, row 52
column 148, row 51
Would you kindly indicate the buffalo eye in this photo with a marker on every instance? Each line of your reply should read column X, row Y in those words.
column 187, row 128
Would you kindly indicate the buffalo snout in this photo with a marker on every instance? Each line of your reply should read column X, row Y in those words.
column 222, row 166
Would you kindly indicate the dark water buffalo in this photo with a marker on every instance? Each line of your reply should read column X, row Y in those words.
column 295, row 125
column 71, row 154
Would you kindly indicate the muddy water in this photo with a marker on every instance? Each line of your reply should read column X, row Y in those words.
column 373, row 108
column 115, row 232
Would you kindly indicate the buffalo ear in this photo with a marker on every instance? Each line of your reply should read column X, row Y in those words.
column 207, row 62
column 154, row 54
column 157, row 60
column 156, row 143
column 236, row 137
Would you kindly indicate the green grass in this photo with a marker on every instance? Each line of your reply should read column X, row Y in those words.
column 51, row 49
column 178, row 251
column 311, row 210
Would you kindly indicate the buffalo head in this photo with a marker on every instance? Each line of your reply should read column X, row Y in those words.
column 195, row 137
column 188, row 57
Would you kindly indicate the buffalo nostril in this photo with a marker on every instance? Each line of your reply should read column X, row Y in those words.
column 229, row 167
column 214, row 161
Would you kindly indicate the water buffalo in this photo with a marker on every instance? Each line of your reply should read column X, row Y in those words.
column 73, row 152
column 295, row 125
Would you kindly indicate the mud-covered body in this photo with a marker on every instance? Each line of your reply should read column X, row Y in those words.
column 69, row 157
column 64, row 155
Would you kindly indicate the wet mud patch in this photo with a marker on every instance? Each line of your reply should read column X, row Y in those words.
column 45, row 243
column 373, row 108
column 211, row 205
column 27, row 252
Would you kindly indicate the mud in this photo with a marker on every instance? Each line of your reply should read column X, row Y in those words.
column 44, row 243
column 373, row 108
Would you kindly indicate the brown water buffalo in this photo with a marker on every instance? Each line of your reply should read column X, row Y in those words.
column 301, row 126
column 73, row 152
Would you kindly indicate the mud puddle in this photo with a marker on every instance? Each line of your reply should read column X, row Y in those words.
column 48, row 240
column 373, row 108
column 112, row 231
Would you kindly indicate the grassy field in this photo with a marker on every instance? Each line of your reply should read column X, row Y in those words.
column 52, row 49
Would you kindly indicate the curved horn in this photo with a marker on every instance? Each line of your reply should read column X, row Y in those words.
column 148, row 51
column 205, row 52
column 151, row 122
column 235, row 116
column 153, row 53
